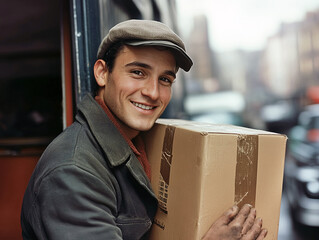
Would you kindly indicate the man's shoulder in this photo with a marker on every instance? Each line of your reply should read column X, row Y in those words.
column 74, row 148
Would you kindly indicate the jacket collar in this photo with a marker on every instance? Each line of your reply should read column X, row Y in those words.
column 107, row 135
column 113, row 144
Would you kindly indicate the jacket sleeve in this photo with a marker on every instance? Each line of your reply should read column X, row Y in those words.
column 74, row 204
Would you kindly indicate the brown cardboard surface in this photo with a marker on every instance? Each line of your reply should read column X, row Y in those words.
column 211, row 167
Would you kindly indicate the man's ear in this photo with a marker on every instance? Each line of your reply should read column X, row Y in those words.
column 100, row 72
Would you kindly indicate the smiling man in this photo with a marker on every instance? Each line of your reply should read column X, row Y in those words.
column 93, row 180
column 138, row 89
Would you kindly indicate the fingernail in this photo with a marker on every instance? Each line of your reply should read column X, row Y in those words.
column 260, row 221
column 234, row 208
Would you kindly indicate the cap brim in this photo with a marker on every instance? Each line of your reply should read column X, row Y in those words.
column 182, row 59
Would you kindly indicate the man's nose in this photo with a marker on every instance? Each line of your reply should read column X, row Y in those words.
column 151, row 89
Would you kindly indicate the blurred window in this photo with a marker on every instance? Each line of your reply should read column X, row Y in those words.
column 306, row 66
column 315, row 39
column 305, row 42
column 30, row 70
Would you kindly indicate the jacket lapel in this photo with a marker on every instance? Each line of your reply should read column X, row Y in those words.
column 113, row 144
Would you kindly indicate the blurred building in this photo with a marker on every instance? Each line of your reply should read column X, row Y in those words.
column 203, row 75
column 279, row 70
column 290, row 63
column 236, row 78
column 308, row 46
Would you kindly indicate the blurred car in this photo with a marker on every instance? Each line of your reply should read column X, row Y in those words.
column 217, row 108
column 302, row 168
column 279, row 116
column 220, row 117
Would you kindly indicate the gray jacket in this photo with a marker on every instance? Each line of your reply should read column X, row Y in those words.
column 88, row 184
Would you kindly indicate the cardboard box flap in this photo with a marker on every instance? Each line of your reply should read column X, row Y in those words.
column 206, row 128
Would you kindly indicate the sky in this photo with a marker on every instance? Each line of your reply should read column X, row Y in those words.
column 243, row 24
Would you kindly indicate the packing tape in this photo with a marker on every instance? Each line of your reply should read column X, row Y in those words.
column 246, row 170
column 166, row 161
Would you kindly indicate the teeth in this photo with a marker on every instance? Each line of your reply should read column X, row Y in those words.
column 142, row 106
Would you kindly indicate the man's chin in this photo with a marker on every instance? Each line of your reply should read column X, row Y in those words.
column 145, row 127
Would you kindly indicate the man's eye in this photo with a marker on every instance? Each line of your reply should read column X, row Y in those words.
column 166, row 81
column 137, row 72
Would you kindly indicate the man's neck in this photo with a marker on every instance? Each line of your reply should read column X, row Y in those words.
column 123, row 128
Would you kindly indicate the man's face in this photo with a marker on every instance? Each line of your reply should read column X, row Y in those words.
column 139, row 87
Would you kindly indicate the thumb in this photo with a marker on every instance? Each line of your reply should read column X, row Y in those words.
column 228, row 215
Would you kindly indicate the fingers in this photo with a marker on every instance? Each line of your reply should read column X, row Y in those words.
column 255, row 232
column 249, row 222
column 219, row 229
column 262, row 234
column 246, row 223
column 235, row 217
column 237, row 224
column 243, row 214
column 228, row 216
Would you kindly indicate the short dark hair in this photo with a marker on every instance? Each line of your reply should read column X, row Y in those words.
column 109, row 59
column 112, row 53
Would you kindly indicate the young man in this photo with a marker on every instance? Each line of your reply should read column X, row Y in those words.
column 93, row 181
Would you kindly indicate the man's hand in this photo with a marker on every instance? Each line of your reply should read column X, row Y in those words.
column 235, row 224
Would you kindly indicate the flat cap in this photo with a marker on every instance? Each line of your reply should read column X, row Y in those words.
column 147, row 33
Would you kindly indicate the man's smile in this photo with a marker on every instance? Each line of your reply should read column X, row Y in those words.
column 142, row 106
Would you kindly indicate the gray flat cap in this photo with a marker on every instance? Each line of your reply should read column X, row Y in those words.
column 147, row 33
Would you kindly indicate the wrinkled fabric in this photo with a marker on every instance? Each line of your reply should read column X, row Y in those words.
column 88, row 184
column 137, row 147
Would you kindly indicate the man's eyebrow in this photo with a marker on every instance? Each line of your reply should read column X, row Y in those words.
column 144, row 65
column 138, row 64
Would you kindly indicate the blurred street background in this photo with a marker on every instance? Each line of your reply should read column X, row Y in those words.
column 256, row 64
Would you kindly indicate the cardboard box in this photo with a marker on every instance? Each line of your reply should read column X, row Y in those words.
column 200, row 170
